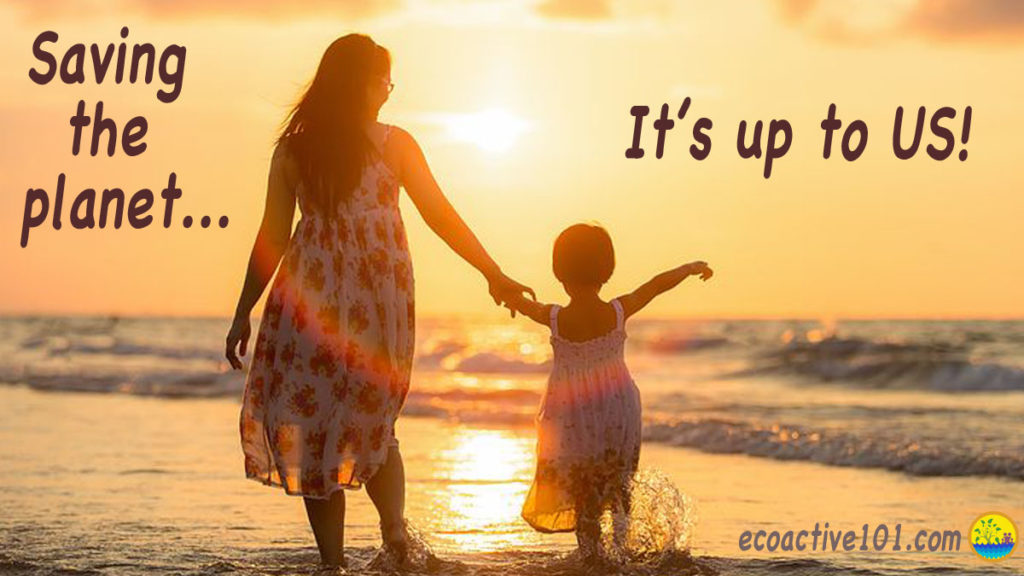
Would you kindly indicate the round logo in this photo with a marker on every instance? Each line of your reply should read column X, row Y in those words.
column 994, row 536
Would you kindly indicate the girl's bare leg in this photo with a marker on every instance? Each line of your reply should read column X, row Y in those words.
column 387, row 491
column 621, row 520
column 588, row 525
column 327, row 519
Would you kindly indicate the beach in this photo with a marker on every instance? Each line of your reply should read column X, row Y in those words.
column 120, row 438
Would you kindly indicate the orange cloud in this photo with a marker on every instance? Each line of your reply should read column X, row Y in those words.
column 969, row 18
column 575, row 9
column 249, row 10
column 593, row 11
column 976, row 20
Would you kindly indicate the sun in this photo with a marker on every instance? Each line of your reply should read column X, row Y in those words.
column 492, row 130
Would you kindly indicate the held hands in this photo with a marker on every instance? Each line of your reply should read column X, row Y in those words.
column 503, row 289
column 700, row 268
column 238, row 337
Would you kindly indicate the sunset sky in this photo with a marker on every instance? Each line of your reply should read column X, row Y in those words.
column 522, row 108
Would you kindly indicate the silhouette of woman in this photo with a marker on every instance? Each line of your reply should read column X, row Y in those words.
column 331, row 362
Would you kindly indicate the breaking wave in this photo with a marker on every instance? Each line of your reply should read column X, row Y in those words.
column 835, row 448
column 936, row 367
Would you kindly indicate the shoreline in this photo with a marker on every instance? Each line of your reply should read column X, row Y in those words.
column 180, row 465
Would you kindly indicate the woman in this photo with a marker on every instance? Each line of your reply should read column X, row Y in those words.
column 331, row 364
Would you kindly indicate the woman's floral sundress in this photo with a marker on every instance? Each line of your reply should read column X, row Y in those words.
column 588, row 429
column 332, row 358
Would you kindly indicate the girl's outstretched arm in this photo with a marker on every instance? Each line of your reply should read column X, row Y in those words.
column 642, row 296
column 536, row 311
column 271, row 242
column 442, row 218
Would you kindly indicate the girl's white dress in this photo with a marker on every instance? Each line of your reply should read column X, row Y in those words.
column 588, row 429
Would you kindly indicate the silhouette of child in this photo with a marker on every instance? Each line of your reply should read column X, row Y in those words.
column 588, row 426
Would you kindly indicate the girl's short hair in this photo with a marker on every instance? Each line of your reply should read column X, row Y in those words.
column 583, row 254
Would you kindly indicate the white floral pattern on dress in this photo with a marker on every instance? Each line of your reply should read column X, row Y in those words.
column 332, row 358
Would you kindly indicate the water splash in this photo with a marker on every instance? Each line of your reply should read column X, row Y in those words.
column 654, row 536
column 419, row 559
column 660, row 522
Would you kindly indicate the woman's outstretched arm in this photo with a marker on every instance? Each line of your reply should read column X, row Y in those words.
column 442, row 218
column 271, row 242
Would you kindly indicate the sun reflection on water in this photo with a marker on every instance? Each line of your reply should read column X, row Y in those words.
column 484, row 480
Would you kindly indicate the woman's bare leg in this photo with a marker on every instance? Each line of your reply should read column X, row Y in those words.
column 327, row 518
column 387, row 491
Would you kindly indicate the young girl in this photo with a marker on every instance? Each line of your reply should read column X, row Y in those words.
column 588, row 427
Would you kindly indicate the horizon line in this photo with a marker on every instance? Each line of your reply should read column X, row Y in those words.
column 15, row 315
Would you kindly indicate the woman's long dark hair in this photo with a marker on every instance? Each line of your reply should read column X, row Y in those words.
column 324, row 131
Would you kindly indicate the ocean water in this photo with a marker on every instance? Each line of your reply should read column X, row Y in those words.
column 119, row 438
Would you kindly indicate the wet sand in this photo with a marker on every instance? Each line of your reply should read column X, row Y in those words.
column 119, row 484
